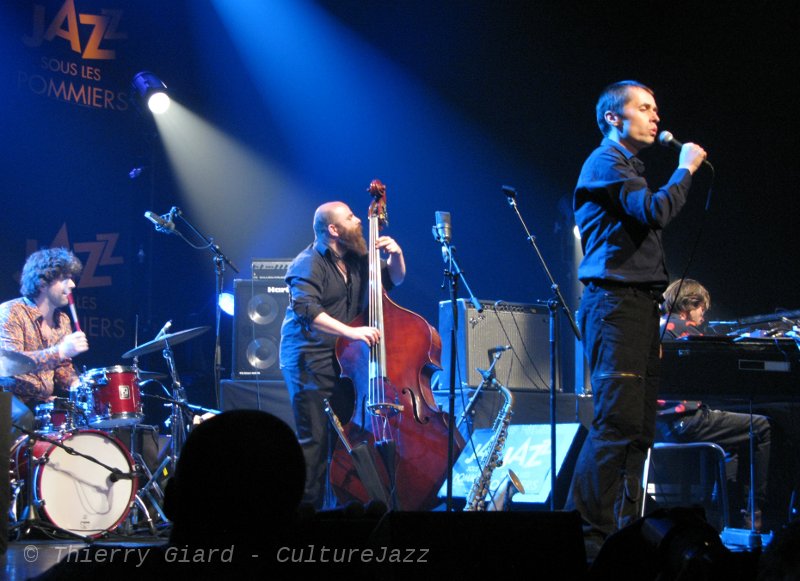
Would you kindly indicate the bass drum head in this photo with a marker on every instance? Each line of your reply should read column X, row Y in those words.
column 78, row 494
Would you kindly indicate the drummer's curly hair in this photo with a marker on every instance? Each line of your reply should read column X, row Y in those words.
column 46, row 266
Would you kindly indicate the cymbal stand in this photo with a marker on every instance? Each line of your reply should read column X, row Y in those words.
column 177, row 436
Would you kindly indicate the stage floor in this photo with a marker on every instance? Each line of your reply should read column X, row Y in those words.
column 33, row 556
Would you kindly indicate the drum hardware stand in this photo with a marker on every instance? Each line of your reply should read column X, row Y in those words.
column 30, row 519
column 177, row 432
column 152, row 491
column 144, row 492
column 555, row 364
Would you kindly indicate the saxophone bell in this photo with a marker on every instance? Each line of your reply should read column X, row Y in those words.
column 508, row 487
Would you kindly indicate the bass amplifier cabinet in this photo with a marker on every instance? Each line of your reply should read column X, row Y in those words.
column 259, row 309
column 525, row 327
column 273, row 269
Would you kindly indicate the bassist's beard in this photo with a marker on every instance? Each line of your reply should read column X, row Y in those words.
column 353, row 241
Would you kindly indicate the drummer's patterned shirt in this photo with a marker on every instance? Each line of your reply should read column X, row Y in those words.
column 21, row 331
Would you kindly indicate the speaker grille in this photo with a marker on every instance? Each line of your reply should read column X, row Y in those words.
column 258, row 313
column 525, row 327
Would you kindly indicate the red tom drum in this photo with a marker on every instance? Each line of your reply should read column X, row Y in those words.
column 115, row 397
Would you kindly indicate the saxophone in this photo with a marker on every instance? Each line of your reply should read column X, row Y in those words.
column 491, row 459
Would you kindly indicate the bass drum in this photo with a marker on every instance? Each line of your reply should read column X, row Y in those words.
column 74, row 493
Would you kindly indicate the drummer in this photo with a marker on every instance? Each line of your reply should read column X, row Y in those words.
column 36, row 326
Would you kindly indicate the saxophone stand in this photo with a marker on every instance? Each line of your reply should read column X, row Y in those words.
column 452, row 273
column 30, row 520
column 553, row 304
column 489, row 378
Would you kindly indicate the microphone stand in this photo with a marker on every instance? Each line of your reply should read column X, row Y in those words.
column 453, row 273
column 220, row 260
column 552, row 304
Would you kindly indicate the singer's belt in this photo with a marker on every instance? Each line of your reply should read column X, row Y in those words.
column 653, row 289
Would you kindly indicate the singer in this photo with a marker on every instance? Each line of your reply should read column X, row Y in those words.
column 328, row 285
column 620, row 220
column 37, row 326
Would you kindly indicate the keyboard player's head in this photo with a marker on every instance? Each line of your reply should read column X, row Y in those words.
column 685, row 304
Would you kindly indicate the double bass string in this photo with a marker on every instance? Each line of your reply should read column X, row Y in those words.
column 377, row 388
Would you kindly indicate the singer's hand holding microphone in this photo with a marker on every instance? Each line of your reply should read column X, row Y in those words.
column 691, row 156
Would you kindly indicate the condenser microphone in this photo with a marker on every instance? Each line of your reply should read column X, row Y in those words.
column 443, row 231
column 666, row 139
column 162, row 225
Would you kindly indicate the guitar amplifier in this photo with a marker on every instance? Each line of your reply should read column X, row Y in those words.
column 525, row 327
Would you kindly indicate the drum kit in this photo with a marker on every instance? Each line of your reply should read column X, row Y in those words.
column 73, row 475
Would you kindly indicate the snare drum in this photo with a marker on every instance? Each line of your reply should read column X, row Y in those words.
column 74, row 493
column 115, row 397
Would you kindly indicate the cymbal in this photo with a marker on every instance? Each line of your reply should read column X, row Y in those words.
column 14, row 363
column 168, row 339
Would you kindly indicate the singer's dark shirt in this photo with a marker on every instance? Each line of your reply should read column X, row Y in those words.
column 620, row 219
column 316, row 286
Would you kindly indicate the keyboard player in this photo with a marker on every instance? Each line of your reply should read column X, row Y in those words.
column 685, row 304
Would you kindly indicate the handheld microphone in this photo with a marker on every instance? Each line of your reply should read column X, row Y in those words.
column 74, row 312
column 666, row 139
column 161, row 224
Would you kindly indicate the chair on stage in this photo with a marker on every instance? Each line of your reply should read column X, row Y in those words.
column 688, row 474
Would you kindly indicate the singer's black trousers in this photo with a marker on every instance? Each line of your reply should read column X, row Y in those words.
column 620, row 333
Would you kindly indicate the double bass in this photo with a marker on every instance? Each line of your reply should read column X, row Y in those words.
column 395, row 418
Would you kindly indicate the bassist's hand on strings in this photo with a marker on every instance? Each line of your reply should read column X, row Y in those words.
column 388, row 244
column 369, row 335
column 396, row 262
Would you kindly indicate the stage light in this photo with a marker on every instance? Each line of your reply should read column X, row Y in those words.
column 576, row 232
column 226, row 303
column 151, row 90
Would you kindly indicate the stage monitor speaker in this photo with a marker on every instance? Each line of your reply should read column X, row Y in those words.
column 524, row 327
column 259, row 309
